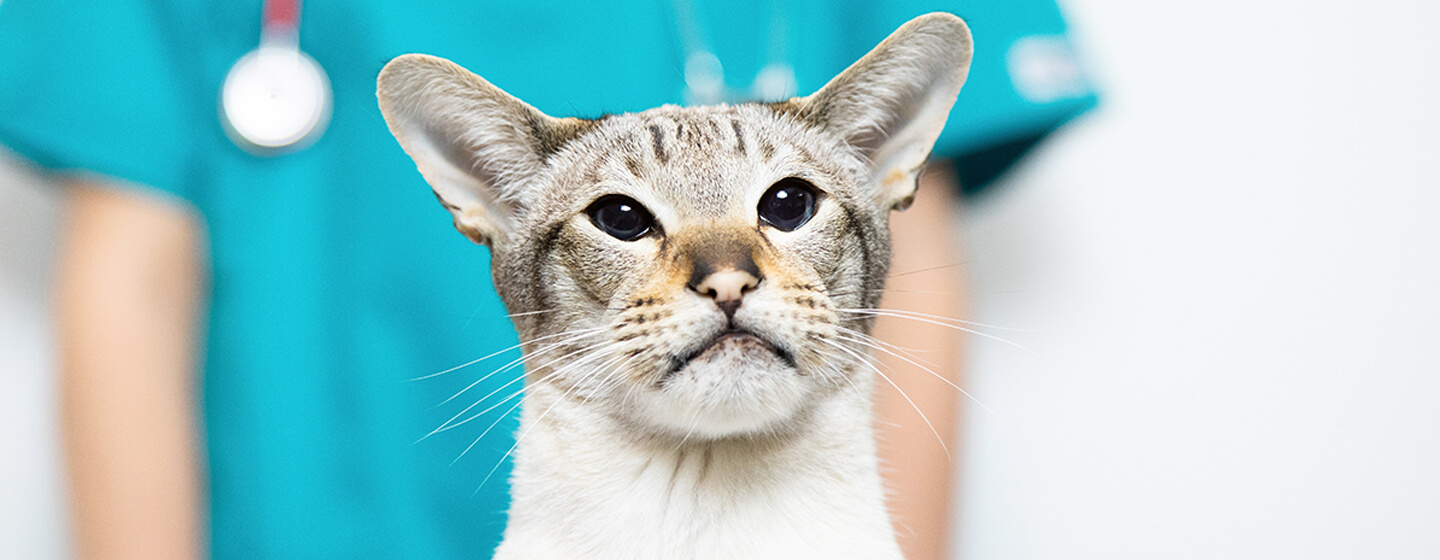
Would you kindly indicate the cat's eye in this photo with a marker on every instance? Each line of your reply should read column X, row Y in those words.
column 788, row 204
column 621, row 217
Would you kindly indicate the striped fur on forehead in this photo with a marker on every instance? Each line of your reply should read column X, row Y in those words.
column 688, row 155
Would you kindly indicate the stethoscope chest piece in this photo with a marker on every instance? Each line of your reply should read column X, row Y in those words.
column 276, row 98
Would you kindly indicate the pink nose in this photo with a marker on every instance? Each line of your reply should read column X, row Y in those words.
column 727, row 287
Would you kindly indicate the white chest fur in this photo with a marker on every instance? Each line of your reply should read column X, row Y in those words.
column 583, row 488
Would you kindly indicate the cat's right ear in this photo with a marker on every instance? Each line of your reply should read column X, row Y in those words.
column 476, row 145
column 892, row 104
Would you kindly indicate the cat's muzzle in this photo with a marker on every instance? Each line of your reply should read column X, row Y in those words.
column 732, row 339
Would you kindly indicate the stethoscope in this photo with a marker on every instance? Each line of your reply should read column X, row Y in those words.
column 276, row 99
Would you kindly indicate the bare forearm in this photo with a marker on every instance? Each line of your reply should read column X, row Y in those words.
column 926, row 277
column 128, row 293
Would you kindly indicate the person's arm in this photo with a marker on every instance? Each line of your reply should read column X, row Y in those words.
column 128, row 306
column 930, row 280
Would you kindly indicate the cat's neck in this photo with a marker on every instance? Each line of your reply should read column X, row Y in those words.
column 584, row 486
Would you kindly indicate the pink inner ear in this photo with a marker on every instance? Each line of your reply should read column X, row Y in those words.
column 470, row 140
column 892, row 104
column 902, row 90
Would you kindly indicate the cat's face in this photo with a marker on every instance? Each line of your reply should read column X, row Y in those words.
column 711, row 250
column 688, row 270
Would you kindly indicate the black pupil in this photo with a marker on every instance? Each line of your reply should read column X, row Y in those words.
column 620, row 217
column 788, row 204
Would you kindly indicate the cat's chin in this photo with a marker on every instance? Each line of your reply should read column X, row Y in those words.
column 736, row 385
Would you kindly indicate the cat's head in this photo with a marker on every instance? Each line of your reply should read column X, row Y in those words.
column 688, row 269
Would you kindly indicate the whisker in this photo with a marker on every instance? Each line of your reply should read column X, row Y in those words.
column 891, row 291
column 631, row 391
column 466, row 364
column 907, row 315
column 947, row 381
column 912, row 352
column 508, row 315
column 496, row 353
column 512, row 364
column 832, row 372
column 872, row 342
column 930, row 269
column 471, row 318
column 522, row 437
column 517, row 361
column 529, row 313
column 610, row 368
column 887, row 379
column 451, row 424
column 546, row 378
column 491, row 426
column 936, row 317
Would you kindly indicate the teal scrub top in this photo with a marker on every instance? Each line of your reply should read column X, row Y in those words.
column 336, row 279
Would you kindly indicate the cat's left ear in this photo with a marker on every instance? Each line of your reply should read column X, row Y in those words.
column 892, row 104
column 476, row 145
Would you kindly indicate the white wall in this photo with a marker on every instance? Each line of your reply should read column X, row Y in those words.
column 31, row 513
column 1234, row 271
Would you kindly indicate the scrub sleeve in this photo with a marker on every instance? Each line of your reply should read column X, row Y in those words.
column 97, row 94
column 335, row 277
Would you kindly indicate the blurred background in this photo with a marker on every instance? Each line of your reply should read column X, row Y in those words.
column 1226, row 275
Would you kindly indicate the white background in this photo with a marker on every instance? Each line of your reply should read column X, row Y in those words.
column 31, row 508
column 1234, row 270
column 1230, row 273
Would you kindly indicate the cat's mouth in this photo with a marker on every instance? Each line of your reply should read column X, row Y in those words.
column 733, row 338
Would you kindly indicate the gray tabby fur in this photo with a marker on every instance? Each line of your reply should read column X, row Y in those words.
column 629, row 369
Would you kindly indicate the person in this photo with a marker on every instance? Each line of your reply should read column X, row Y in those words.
column 248, row 341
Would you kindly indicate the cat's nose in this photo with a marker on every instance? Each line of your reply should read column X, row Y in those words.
column 727, row 287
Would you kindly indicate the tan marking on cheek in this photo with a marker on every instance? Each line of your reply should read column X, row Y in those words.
column 660, row 289
column 776, row 270
column 768, row 265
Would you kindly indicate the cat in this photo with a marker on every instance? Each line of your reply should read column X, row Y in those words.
column 678, row 279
